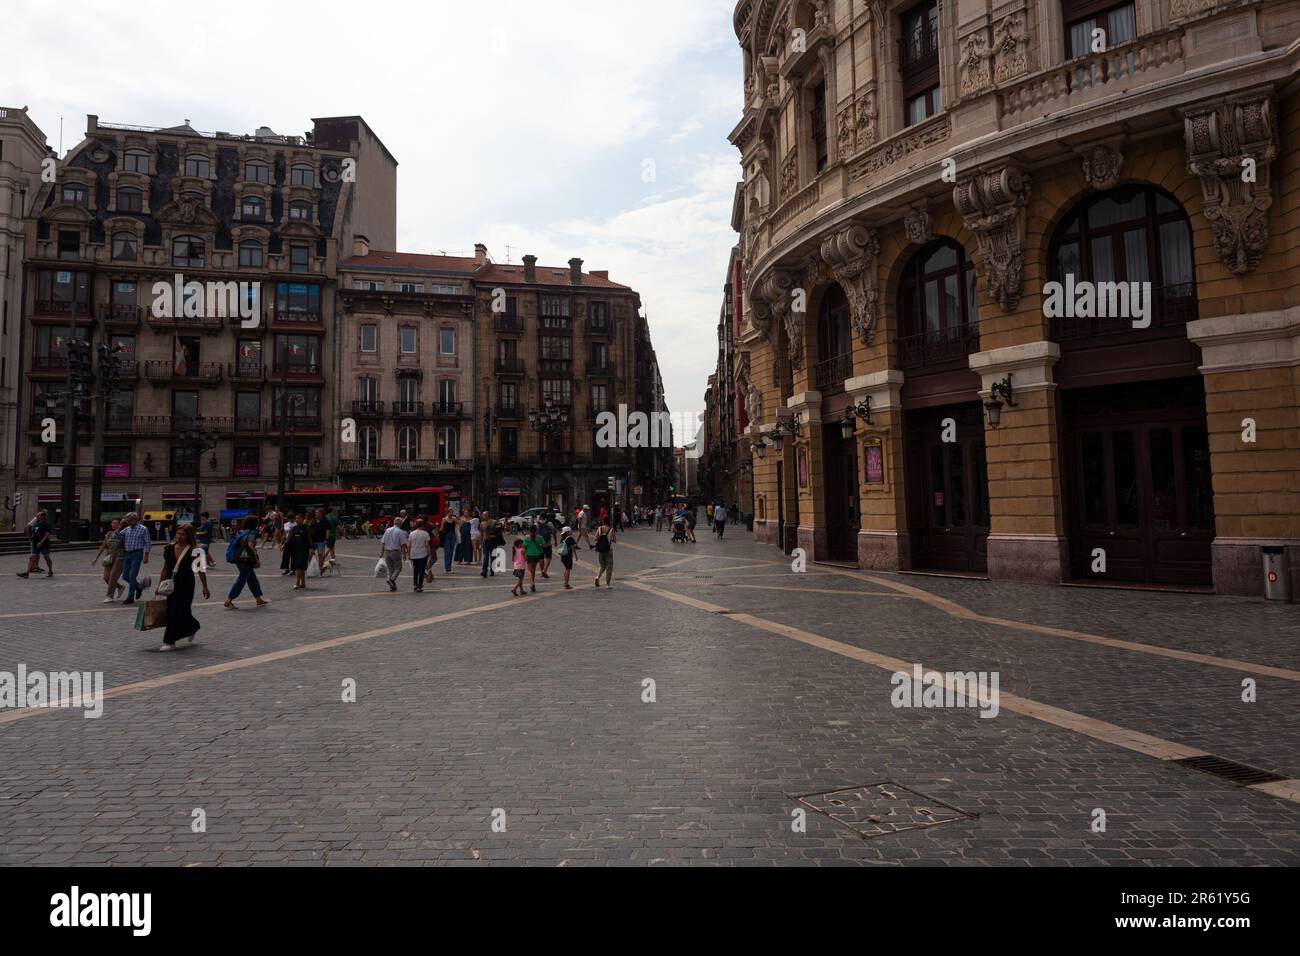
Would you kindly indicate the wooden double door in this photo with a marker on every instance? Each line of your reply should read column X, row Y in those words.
column 947, row 488
column 1138, row 495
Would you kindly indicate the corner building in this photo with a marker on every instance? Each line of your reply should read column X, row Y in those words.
column 914, row 175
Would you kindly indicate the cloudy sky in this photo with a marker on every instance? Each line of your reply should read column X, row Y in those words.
column 563, row 128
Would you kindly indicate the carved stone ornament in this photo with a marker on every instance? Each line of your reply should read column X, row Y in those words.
column 975, row 65
column 851, row 256
column 992, row 204
column 773, row 300
column 790, row 174
column 918, row 225
column 1231, row 147
column 866, row 131
column 1102, row 166
column 1010, row 48
column 844, row 138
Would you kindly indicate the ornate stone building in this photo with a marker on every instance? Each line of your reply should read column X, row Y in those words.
column 916, row 176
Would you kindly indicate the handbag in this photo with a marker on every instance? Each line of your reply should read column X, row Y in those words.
column 428, row 576
column 107, row 560
column 165, row 588
column 151, row 614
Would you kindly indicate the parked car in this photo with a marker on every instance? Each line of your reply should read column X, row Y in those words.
column 526, row 519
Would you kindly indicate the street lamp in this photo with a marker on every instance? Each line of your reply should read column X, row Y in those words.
column 551, row 421
column 199, row 439
column 861, row 410
column 994, row 406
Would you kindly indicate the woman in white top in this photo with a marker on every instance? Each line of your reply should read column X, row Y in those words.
column 476, row 539
column 418, row 548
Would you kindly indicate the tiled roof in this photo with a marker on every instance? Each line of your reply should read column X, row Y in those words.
column 410, row 260
column 546, row 275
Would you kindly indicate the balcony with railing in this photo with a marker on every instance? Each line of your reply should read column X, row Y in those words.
column 296, row 423
column 829, row 375
column 51, row 365
column 449, row 409
column 508, row 322
column 297, row 318
column 204, row 324
column 198, row 373
column 295, row 371
column 555, row 366
column 412, row 409
column 367, row 408
column 600, row 369
column 595, row 411
column 46, row 310
column 121, row 316
column 509, row 412
column 246, row 372
column 938, row 347
column 600, row 327
column 1172, row 307
column 404, row 465
column 509, row 366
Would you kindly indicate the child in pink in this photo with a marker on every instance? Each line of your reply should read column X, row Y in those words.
column 520, row 564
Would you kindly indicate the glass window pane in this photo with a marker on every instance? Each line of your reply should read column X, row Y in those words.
column 1121, row 25
column 1164, row 487
column 952, row 317
column 1093, row 455
column 1127, row 505
column 957, row 487
column 932, row 309
column 1135, row 256
column 1176, row 254
column 1196, row 479
column 938, row 484
column 1103, row 262
column 943, row 257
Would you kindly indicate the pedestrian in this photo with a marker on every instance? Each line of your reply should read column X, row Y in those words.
column 659, row 517
column 708, row 509
column 318, row 537
column 205, row 536
column 418, row 547
column 447, row 540
column 690, row 524
column 332, row 538
column 582, row 526
column 297, row 550
column 547, row 531
column 391, row 548
column 466, row 546
column 605, row 538
column 182, row 560
column 111, row 551
column 519, row 562
column 719, row 521
column 490, row 529
column 39, row 531
column 568, row 545
column 533, row 554
column 243, row 551
column 134, row 537
column 290, row 522
column 476, row 538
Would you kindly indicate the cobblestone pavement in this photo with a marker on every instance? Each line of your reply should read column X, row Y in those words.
column 768, row 685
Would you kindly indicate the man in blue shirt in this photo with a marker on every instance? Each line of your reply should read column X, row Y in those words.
column 205, row 537
column 40, row 534
column 135, row 551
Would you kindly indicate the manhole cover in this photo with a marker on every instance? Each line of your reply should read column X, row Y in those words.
column 880, row 809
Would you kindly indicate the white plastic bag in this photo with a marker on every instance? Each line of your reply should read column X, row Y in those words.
column 166, row 587
column 313, row 567
column 381, row 569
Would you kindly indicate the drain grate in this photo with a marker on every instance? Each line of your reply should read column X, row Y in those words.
column 881, row 809
column 1230, row 770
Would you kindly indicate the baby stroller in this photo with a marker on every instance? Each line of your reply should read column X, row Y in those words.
column 679, row 529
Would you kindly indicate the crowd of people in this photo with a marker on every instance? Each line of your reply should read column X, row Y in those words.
column 306, row 542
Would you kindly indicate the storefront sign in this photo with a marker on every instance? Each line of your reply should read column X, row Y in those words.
column 117, row 471
column 803, row 468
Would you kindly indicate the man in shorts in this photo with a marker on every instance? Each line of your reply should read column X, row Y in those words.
column 40, row 536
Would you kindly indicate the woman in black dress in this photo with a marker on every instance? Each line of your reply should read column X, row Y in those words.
column 179, row 561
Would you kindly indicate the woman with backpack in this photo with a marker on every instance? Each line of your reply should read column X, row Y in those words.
column 568, row 545
column 605, row 538
column 242, row 553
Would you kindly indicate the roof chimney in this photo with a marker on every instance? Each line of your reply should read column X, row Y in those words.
column 575, row 271
column 480, row 253
column 601, row 274
column 530, row 268
column 360, row 245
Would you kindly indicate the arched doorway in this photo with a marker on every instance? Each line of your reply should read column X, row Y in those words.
column 946, row 469
column 1135, row 458
column 839, row 454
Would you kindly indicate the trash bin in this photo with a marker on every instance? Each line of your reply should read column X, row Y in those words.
column 1275, row 582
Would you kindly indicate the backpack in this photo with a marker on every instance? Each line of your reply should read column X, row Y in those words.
column 564, row 547
column 232, row 549
column 602, row 543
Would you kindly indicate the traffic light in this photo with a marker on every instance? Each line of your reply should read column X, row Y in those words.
column 18, row 499
column 79, row 361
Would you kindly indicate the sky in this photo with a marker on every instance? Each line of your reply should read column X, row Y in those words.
column 561, row 129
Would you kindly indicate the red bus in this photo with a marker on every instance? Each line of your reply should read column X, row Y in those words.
column 375, row 508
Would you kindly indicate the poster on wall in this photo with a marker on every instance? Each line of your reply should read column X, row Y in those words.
column 803, row 468
column 874, row 461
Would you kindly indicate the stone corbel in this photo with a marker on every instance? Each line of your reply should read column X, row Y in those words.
column 1231, row 146
column 851, row 256
column 1102, row 164
column 992, row 204
column 771, row 304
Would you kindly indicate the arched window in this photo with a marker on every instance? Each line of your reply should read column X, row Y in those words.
column 250, row 253
column 938, row 306
column 834, row 342
column 188, row 251
column 197, row 165
column 130, row 200
column 408, row 444
column 136, row 161
column 256, row 171
column 124, row 247
column 300, row 211
column 302, row 175
column 370, row 443
column 447, row 443
column 253, row 208
column 1133, row 234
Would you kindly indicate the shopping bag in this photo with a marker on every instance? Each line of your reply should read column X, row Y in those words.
column 151, row 614
column 381, row 569
column 428, row 575
column 165, row 588
column 313, row 567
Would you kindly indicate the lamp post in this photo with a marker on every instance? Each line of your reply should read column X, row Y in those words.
column 489, row 429
column 861, row 410
column 997, row 392
column 199, row 439
column 106, row 387
column 552, row 420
